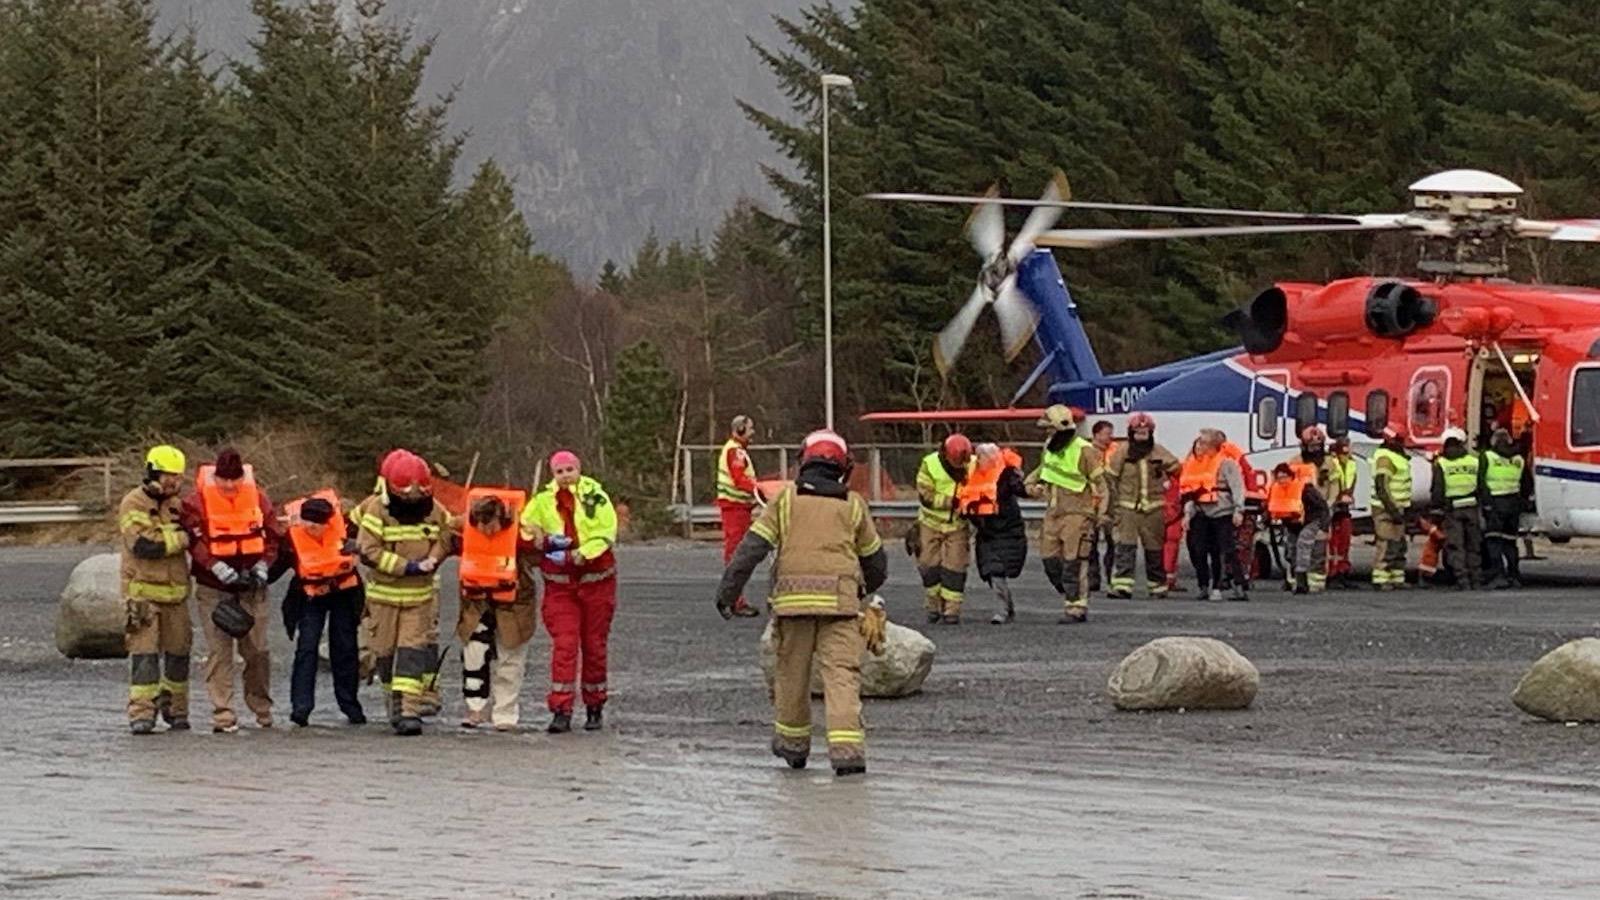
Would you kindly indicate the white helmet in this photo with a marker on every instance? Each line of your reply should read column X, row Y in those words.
column 1455, row 434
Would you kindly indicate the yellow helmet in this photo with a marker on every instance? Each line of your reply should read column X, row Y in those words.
column 1057, row 418
column 166, row 458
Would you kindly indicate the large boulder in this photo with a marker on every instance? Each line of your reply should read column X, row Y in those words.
column 1184, row 673
column 906, row 661
column 92, row 616
column 1564, row 685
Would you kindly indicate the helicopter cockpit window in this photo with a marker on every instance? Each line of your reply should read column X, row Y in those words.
column 1585, row 416
column 1430, row 389
column 1305, row 411
column 1338, row 414
column 1377, row 413
column 1267, row 418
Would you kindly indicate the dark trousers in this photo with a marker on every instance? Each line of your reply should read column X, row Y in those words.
column 1501, row 520
column 1213, row 552
column 341, row 613
column 1463, row 536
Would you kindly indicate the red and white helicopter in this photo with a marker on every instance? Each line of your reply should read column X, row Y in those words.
column 1458, row 345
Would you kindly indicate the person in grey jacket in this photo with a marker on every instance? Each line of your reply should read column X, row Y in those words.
column 1213, row 495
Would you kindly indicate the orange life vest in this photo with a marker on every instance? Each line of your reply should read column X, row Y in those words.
column 321, row 562
column 1432, row 549
column 1199, row 477
column 979, row 495
column 234, row 526
column 1255, row 488
column 489, row 561
column 1284, row 503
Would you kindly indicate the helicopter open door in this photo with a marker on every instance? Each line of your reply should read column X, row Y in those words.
column 1270, row 415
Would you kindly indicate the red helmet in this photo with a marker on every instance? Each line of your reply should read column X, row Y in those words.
column 405, row 472
column 957, row 449
column 1311, row 434
column 1397, row 431
column 1141, row 420
column 824, row 444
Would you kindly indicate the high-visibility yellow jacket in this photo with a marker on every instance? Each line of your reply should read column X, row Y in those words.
column 594, row 517
column 154, row 565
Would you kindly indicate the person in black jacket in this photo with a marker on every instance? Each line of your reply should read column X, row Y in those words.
column 991, row 500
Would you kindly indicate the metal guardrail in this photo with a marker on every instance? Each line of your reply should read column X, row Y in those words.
column 38, row 512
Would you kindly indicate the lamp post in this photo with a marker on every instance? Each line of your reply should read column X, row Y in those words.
column 828, row 81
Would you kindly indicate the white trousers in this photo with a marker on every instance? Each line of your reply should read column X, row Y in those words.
column 492, row 670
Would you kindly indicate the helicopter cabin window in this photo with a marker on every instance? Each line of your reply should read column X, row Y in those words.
column 1338, row 414
column 1305, row 411
column 1377, row 413
column 1267, row 417
column 1428, row 407
column 1585, row 417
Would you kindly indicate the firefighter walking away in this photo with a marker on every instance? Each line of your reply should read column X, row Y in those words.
column 829, row 558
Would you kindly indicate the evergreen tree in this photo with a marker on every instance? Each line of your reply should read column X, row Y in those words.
column 641, row 415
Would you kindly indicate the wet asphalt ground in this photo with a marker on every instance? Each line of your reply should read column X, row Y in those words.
column 1382, row 758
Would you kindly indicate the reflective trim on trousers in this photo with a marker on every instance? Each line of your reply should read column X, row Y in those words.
column 158, row 593
column 847, row 737
column 792, row 731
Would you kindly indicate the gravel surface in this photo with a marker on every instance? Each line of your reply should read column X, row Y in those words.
column 1382, row 757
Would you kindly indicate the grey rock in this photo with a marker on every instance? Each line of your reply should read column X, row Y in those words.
column 1184, row 673
column 906, row 661
column 92, row 617
column 1564, row 685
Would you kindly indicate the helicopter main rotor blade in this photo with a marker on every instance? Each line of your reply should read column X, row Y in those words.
column 1584, row 230
column 947, row 346
column 986, row 230
column 1017, row 317
column 961, row 199
column 1092, row 238
column 1042, row 219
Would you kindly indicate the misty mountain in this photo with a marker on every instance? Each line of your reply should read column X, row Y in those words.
column 613, row 117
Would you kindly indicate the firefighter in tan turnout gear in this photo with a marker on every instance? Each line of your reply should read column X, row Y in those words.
column 1065, row 480
column 1136, row 479
column 155, row 585
column 402, row 537
column 829, row 558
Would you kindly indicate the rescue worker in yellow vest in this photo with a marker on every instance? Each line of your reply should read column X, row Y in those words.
column 233, row 541
column 1342, row 481
column 943, row 537
column 1457, row 483
column 498, row 609
column 1315, row 464
column 325, row 596
column 1391, row 499
column 1064, row 480
column 1136, row 477
column 1502, row 512
column 573, row 521
column 155, row 588
column 829, row 558
column 402, row 537
column 736, row 494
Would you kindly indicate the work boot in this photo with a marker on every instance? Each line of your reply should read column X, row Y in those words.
column 935, row 616
column 592, row 718
column 1301, row 585
column 1074, row 615
column 560, row 723
column 142, row 726
column 744, row 610
column 795, row 758
column 951, row 619
column 850, row 769
column 1120, row 594
column 300, row 719
column 178, row 723
column 408, row 726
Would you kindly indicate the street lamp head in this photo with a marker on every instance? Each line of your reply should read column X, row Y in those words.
column 831, row 80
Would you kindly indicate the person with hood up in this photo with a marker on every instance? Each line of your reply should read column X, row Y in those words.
column 829, row 558
column 1457, row 484
column 1065, row 481
column 989, row 499
column 1137, row 474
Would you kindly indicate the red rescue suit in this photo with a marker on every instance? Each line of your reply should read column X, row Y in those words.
column 579, row 603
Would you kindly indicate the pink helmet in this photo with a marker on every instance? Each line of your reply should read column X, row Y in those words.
column 1141, row 420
